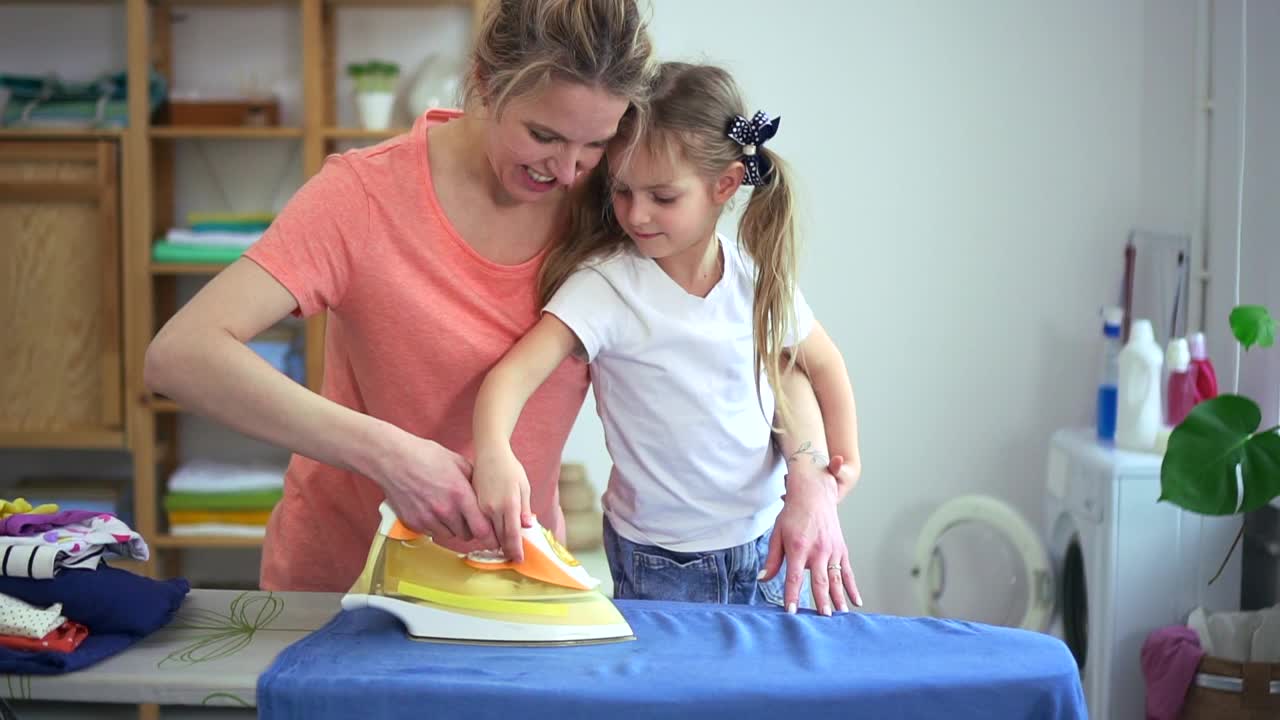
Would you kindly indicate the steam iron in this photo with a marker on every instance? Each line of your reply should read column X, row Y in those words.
column 481, row 597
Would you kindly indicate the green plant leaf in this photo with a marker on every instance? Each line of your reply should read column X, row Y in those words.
column 1200, row 466
column 1253, row 325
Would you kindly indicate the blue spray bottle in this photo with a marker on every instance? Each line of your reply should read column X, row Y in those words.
column 1112, row 319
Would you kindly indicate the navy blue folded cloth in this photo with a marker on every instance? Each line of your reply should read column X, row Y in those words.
column 117, row 606
column 106, row 600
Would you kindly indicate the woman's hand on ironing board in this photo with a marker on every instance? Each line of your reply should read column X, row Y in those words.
column 429, row 487
column 807, row 532
column 808, row 535
column 502, row 489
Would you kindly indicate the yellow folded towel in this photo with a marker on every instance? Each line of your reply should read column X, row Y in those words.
column 234, row 517
column 22, row 507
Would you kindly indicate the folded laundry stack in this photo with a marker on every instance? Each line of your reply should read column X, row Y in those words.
column 207, row 497
column 582, row 519
column 216, row 238
column 62, row 607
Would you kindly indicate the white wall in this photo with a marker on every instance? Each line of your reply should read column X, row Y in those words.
column 969, row 172
column 1245, row 172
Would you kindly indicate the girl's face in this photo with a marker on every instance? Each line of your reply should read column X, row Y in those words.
column 546, row 139
column 664, row 204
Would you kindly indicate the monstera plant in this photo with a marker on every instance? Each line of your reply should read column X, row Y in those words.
column 1218, row 461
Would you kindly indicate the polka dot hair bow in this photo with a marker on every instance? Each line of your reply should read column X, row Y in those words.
column 751, row 135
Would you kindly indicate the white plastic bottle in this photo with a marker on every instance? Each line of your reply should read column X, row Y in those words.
column 1140, row 415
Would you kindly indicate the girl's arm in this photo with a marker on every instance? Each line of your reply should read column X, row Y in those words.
column 500, row 482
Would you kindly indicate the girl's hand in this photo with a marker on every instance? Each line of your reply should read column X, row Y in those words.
column 502, row 490
column 846, row 474
column 807, row 533
column 429, row 488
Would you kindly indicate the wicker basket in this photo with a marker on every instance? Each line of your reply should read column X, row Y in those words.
column 1225, row 690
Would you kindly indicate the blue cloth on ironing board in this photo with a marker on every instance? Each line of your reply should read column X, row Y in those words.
column 689, row 661
column 93, row 649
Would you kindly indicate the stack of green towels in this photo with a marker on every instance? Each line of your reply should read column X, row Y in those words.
column 211, row 238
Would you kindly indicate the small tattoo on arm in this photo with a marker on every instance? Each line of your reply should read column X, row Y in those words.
column 807, row 450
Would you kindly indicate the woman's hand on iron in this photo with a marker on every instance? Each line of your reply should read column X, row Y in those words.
column 807, row 533
column 429, row 488
column 502, row 491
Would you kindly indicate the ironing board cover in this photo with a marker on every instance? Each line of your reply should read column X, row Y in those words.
column 688, row 661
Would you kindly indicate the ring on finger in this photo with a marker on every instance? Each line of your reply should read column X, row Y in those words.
column 836, row 568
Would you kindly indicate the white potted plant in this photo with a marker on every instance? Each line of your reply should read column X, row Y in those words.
column 375, row 83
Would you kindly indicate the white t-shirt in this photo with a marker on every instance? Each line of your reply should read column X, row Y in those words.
column 694, row 465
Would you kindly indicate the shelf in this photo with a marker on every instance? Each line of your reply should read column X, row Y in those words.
column 205, row 541
column 186, row 268
column 60, row 134
column 199, row 132
column 67, row 440
column 338, row 133
column 224, row 3
column 400, row 3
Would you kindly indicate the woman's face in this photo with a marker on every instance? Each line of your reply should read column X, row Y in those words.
column 545, row 140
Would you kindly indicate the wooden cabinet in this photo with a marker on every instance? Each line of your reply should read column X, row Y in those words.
column 60, row 338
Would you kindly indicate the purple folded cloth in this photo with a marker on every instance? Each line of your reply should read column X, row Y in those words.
column 23, row 524
column 1170, row 657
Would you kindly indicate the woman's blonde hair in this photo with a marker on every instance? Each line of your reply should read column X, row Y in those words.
column 522, row 44
column 689, row 112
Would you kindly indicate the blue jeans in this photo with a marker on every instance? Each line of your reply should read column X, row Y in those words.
column 649, row 572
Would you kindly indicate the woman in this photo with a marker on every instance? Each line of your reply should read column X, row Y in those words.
column 424, row 251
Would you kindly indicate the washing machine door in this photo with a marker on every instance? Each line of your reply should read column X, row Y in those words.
column 978, row 559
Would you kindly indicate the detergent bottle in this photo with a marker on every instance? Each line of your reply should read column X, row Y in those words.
column 1180, row 395
column 1139, row 415
column 1109, row 378
column 1206, row 376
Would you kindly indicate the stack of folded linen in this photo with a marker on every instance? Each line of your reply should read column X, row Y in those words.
column 39, row 542
column 207, row 497
column 80, row 617
column 62, row 607
column 216, row 238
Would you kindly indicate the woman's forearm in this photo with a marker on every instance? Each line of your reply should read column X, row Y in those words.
column 212, row 373
column 834, row 395
column 801, row 436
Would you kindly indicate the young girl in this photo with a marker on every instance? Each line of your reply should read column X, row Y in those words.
column 678, row 324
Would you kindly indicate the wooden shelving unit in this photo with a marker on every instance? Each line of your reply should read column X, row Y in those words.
column 147, row 426
column 149, row 169
column 147, row 289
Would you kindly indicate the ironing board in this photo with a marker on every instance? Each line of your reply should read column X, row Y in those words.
column 212, row 653
column 688, row 661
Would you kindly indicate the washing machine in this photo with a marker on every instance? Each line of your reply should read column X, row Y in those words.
column 1105, row 565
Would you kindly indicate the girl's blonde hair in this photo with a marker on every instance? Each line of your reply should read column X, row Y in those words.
column 522, row 44
column 689, row 113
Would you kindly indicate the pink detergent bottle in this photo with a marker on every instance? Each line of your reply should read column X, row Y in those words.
column 1206, row 377
column 1180, row 391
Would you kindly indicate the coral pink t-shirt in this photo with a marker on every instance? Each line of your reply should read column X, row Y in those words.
column 416, row 320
